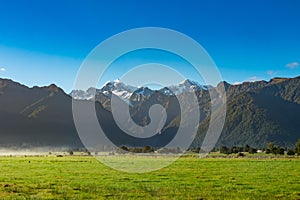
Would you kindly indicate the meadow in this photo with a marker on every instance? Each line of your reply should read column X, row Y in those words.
column 83, row 177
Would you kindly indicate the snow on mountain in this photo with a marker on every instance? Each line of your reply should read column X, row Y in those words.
column 166, row 91
column 118, row 88
column 125, row 91
column 184, row 86
column 83, row 95
column 145, row 91
column 141, row 93
column 111, row 87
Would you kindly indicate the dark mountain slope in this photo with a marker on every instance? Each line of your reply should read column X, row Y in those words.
column 38, row 116
column 270, row 113
column 257, row 113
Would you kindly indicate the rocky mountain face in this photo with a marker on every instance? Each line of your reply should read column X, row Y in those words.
column 38, row 116
column 257, row 113
column 260, row 112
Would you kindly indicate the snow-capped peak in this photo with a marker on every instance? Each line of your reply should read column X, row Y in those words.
column 82, row 95
column 145, row 91
column 189, row 83
column 118, row 88
column 184, row 86
column 116, row 85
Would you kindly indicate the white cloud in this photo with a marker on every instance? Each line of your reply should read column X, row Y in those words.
column 2, row 69
column 292, row 65
column 271, row 72
column 237, row 83
column 250, row 79
column 253, row 79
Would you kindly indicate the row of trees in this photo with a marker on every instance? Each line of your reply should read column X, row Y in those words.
column 271, row 148
column 274, row 149
column 230, row 150
column 147, row 149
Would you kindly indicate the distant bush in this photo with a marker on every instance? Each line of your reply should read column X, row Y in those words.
column 224, row 150
column 122, row 149
column 268, row 151
column 297, row 149
column 241, row 154
column 280, row 151
column 236, row 149
column 252, row 150
column 290, row 152
column 272, row 148
column 246, row 148
column 147, row 149
column 231, row 150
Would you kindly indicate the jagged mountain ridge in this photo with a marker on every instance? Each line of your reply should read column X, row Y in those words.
column 257, row 113
column 126, row 91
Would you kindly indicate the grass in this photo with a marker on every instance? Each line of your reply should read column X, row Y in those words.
column 75, row 177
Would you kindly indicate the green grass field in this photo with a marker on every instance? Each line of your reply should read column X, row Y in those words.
column 75, row 177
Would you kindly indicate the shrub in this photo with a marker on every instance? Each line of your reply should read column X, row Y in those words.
column 241, row 154
column 252, row 150
column 246, row 148
column 224, row 150
column 297, row 150
column 122, row 149
column 290, row 152
column 280, row 151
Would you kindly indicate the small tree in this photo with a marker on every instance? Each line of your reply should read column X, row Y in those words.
column 252, row 150
column 272, row 147
column 71, row 153
column 147, row 149
column 241, row 154
column 123, row 149
column 135, row 150
column 290, row 152
column 268, row 151
column 234, row 149
column 280, row 151
column 297, row 149
column 246, row 148
column 224, row 150
column 197, row 150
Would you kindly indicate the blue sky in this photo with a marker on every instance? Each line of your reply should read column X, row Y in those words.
column 43, row 42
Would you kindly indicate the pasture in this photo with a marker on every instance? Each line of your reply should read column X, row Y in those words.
column 83, row 177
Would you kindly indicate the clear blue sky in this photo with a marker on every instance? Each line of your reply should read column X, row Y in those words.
column 43, row 42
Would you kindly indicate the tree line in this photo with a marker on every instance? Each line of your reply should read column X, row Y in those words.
column 271, row 148
column 147, row 149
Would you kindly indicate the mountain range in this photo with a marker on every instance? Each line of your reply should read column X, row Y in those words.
column 125, row 91
column 257, row 113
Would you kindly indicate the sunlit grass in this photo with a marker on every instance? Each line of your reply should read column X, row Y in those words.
column 76, row 177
